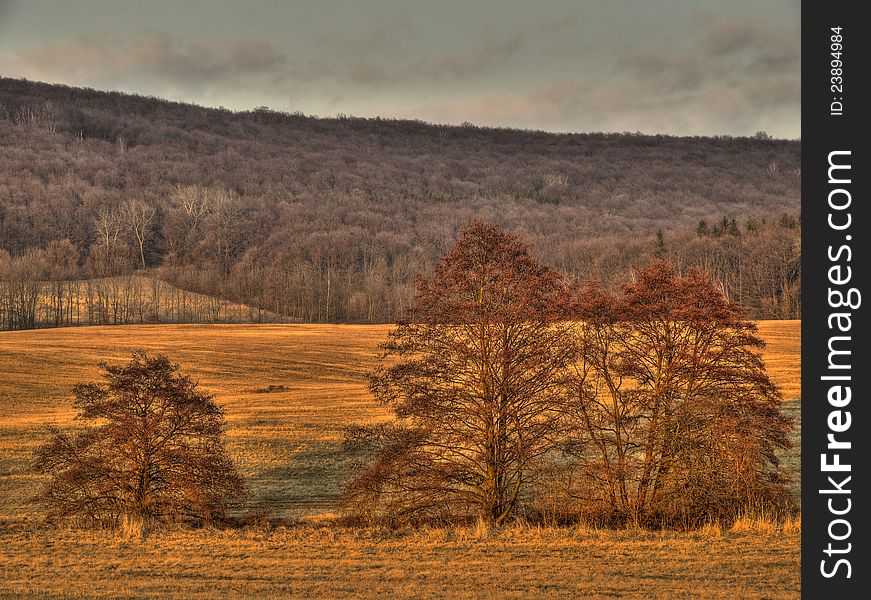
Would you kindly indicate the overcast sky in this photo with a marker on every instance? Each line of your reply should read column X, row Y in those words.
column 665, row 66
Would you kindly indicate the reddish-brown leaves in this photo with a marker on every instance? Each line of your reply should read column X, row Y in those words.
column 153, row 450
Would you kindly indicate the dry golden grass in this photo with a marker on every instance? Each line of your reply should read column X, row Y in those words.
column 783, row 361
column 310, row 562
column 286, row 443
column 783, row 355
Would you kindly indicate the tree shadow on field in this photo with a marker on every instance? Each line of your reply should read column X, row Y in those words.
column 309, row 483
column 790, row 460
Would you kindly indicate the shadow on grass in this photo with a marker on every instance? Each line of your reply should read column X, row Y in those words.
column 309, row 483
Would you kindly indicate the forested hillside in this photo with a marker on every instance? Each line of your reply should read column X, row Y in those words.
column 329, row 220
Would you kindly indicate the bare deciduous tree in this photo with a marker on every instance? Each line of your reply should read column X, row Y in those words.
column 109, row 225
column 21, row 287
column 154, row 451
column 139, row 216
column 676, row 419
column 226, row 235
column 474, row 379
column 195, row 201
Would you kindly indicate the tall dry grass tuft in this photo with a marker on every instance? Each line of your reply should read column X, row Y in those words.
column 767, row 518
column 792, row 526
column 482, row 530
column 712, row 530
column 761, row 523
column 134, row 529
column 749, row 524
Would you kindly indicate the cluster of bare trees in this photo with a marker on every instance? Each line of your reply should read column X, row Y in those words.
column 335, row 279
column 40, row 290
column 674, row 417
column 649, row 406
column 756, row 264
column 118, row 229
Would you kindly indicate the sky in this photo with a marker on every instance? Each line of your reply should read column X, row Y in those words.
column 683, row 67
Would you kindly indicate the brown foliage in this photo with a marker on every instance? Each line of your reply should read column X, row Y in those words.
column 333, row 217
column 474, row 381
column 153, row 451
column 653, row 404
column 676, row 418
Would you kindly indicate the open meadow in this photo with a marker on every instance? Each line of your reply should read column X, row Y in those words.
column 288, row 390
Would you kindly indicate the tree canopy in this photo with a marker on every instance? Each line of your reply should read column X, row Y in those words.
column 649, row 406
column 473, row 377
column 152, row 450
column 675, row 417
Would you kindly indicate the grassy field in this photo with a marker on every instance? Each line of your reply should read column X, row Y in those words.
column 285, row 439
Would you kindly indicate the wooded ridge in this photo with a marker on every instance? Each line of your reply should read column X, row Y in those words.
column 328, row 220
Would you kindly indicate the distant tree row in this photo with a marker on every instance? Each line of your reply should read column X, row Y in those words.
column 47, row 287
column 42, row 288
column 328, row 220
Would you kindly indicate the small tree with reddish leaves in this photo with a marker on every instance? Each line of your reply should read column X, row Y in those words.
column 153, row 451
column 474, row 378
column 676, row 420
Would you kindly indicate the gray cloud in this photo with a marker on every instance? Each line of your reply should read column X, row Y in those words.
column 723, row 52
column 697, row 68
column 388, row 34
column 729, row 37
column 729, row 76
column 158, row 58
column 165, row 59
column 489, row 54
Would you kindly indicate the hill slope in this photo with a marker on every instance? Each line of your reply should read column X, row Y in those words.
column 335, row 216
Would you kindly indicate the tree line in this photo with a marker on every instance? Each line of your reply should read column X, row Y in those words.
column 329, row 220
column 45, row 288
column 758, row 267
column 515, row 393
